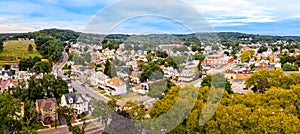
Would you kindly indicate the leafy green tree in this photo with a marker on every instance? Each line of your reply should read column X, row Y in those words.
column 78, row 60
column 42, row 67
column 112, row 104
column 259, row 80
column 262, row 49
column 219, row 81
column 289, row 67
column 110, row 69
column 101, row 111
column 86, row 48
column 10, row 108
column 49, row 86
column 2, row 39
column 30, row 120
column 136, row 111
column 157, row 89
column 201, row 58
column 30, row 48
column 170, row 62
column 149, row 57
column 71, row 55
column 68, row 114
column 35, row 60
column 151, row 71
column 246, row 55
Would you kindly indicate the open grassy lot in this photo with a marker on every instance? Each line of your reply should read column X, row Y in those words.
column 14, row 49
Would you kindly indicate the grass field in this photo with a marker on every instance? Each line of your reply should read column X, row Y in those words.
column 14, row 49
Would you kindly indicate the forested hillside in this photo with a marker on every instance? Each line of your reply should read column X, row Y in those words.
column 50, row 42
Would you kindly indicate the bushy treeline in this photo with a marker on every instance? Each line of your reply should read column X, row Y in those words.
column 50, row 42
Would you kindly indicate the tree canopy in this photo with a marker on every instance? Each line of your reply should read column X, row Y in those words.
column 42, row 67
column 151, row 71
column 262, row 80
column 246, row 55
column 110, row 69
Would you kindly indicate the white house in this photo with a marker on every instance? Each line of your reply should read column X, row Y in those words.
column 138, row 89
column 116, row 86
column 99, row 79
column 76, row 101
column 187, row 75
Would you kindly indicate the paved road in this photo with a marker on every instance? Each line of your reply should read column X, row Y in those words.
column 89, row 93
column 92, row 128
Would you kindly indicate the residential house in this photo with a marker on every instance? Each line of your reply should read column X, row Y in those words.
column 146, row 85
column 75, row 101
column 47, row 109
column 7, row 82
column 187, row 75
column 116, row 86
column 99, row 79
column 170, row 72
column 138, row 89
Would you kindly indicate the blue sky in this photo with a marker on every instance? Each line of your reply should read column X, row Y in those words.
column 272, row 17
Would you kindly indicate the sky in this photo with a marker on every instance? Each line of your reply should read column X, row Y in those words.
column 269, row 17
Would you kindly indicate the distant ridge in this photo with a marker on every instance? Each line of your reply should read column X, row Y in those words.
column 8, row 34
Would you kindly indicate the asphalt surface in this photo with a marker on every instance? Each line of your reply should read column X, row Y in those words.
column 93, row 127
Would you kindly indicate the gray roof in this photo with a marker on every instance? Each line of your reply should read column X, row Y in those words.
column 75, row 97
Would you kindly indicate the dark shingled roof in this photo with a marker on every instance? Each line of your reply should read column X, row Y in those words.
column 46, row 104
column 74, row 96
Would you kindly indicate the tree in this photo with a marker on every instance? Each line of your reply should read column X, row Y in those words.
column 2, row 39
column 52, row 49
column 68, row 114
column 49, row 86
column 101, row 111
column 30, row 48
column 246, row 55
column 9, row 109
column 110, row 69
column 35, row 60
column 112, row 104
column 201, row 58
column 71, row 55
column 151, row 71
column 170, row 62
column 28, row 63
column 136, row 112
column 86, row 48
column 42, row 67
column 157, row 89
column 219, row 81
column 262, row 80
column 30, row 119
column 54, row 87
column 259, row 80
column 289, row 67
column 262, row 49
column 149, row 57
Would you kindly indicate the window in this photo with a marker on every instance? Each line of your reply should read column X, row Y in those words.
column 70, row 100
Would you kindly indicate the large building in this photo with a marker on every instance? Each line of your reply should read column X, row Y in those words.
column 218, row 60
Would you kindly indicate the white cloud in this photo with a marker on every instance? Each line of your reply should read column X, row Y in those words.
column 220, row 12
column 32, row 15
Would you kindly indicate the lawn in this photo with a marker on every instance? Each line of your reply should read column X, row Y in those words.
column 14, row 49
